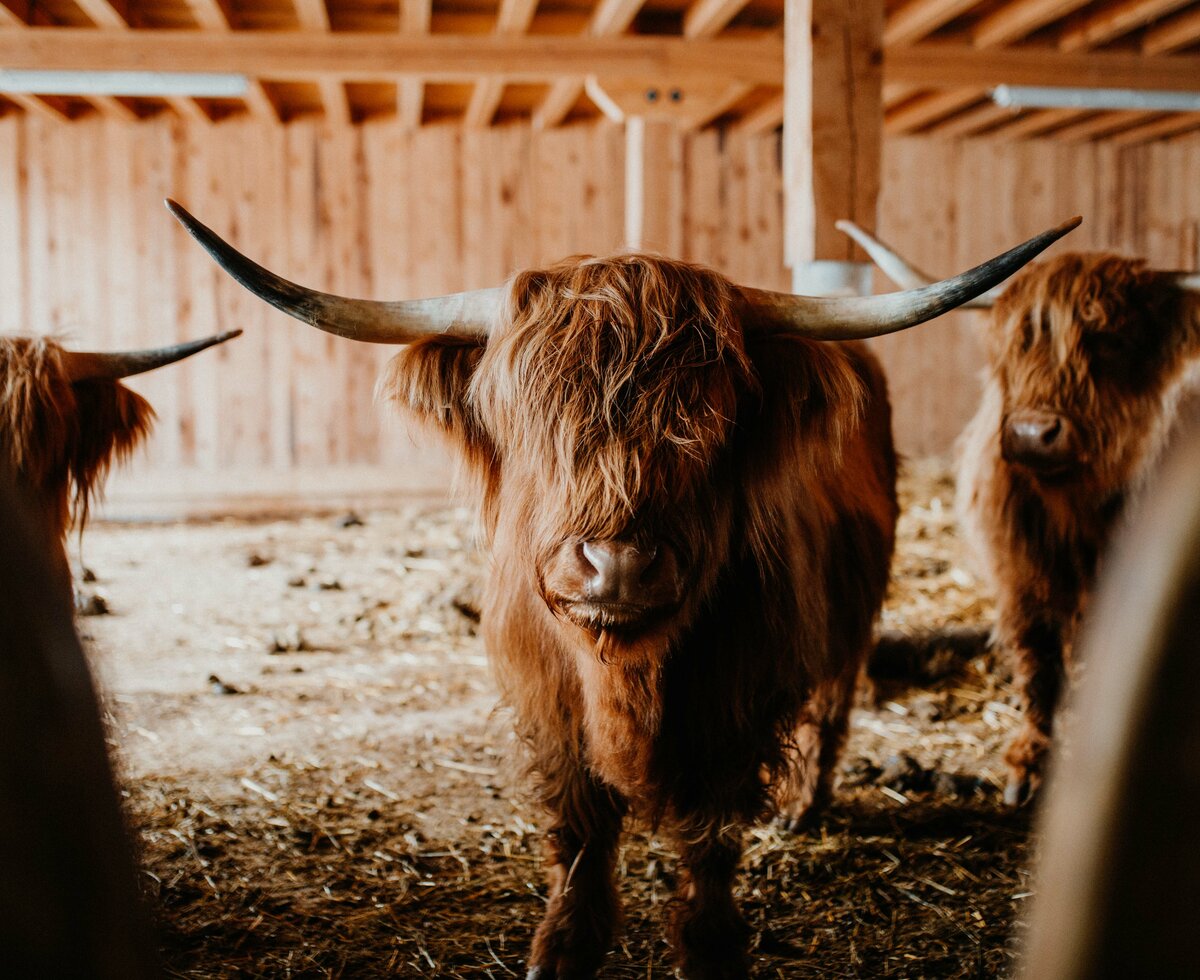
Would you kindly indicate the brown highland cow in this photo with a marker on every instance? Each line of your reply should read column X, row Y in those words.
column 690, row 506
column 65, row 418
column 1087, row 355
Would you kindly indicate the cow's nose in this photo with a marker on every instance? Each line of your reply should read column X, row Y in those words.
column 1039, row 439
column 628, row 573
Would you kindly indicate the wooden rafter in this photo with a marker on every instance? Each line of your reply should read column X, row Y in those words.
column 704, row 18
column 928, row 109
column 415, row 18
column 917, row 19
column 937, row 65
column 1101, row 124
column 110, row 105
column 764, row 119
column 1020, row 18
column 217, row 16
column 985, row 116
column 1171, row 35
column 47, row 106
column 610, row 18
column 513, row 19
column 313, row 15
column 14, row 13
column 1038, row 123
column 1170, row 125
column 1110, row 22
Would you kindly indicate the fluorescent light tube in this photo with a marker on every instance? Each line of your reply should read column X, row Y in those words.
column 1034, row 97
column 205, row 85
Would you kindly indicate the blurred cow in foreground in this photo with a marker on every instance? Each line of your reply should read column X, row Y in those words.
column 1087, row 355
column 690, row 503
column 65, row 418
column 68, row 899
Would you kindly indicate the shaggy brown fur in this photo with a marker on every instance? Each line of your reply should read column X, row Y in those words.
column 1102, row 342
column 59, row 438
column 622, row 398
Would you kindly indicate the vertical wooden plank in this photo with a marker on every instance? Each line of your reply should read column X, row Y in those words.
column 14, row 205
column 653, row 185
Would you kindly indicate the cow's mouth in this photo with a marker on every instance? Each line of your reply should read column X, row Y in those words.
column 617, row 617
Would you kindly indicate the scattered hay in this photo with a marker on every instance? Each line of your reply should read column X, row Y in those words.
column 355, row 811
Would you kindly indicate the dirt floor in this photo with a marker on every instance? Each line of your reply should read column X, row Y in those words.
column 322, row 785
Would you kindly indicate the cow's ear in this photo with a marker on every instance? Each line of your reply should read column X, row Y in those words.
column 112, row 422
column 430, row 379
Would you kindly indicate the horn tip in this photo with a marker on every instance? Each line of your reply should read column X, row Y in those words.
column 227, row 335
column 845, row 225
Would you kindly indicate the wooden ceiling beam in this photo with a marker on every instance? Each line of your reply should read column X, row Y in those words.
column 110, row 105
column 217, row 16
column 313, row 15
column 1172, row 124
column 513, row 18
column 1018, row 19
column 1171, row 35
column 1101, row 125
column 1116, row 19
column 705, row 18
column 765, row 119
column 48, row 107
column 14, row 13
column 985, row 116
column 928, row 109
column 936, row 65
column 188, row 109
column 374, row 56
column 113, row 14
column 610, row 19
column 917, row 19
column 1038, row 123
column 416, row 17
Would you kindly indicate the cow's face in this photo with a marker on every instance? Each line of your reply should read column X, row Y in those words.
column 58, row 436
column 1083, row 348
column 601, row 412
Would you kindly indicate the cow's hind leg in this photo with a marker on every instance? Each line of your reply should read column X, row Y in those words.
column 1040, row 676
column 582, row 910
column 808, row 787
column 709, row 935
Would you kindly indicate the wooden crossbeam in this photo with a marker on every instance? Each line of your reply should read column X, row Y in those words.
column 937, row 65
column 917, row 19
column 1020, row 18
column 313, row 15
column 1039, row 122
column 370, row 56
column 928, row 109
column 764, row 119
column 110, row 105
column 609, row 19
column 705, row 18
column 984, row 116
column 1173, row 34
column 376, row 56
column 1172, row 124
column 1101, row 124
column 513, row 18
column 217, row 15
column 48, row 107
column 14, row 13
column 415, row 19
column 1103, row 25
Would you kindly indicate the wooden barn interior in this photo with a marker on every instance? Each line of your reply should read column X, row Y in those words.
column 404, row 148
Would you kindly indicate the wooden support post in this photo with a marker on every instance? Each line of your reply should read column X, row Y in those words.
column 832, row 130
column 653, row 186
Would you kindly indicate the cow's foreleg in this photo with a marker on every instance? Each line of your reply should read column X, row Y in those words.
column 582, row 910
column 1040, row 675
column 708, row 933
column 808, row 787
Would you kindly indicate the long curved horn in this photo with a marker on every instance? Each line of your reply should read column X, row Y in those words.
column 89, row 366
column 859, row 317
column 902, row 272
column 468, row 314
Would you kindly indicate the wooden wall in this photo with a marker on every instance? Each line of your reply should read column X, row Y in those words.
column 86, row 249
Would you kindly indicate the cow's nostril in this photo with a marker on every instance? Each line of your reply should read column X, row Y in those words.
column 1052, row 432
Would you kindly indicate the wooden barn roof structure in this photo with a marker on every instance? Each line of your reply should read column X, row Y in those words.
column 555, row 62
